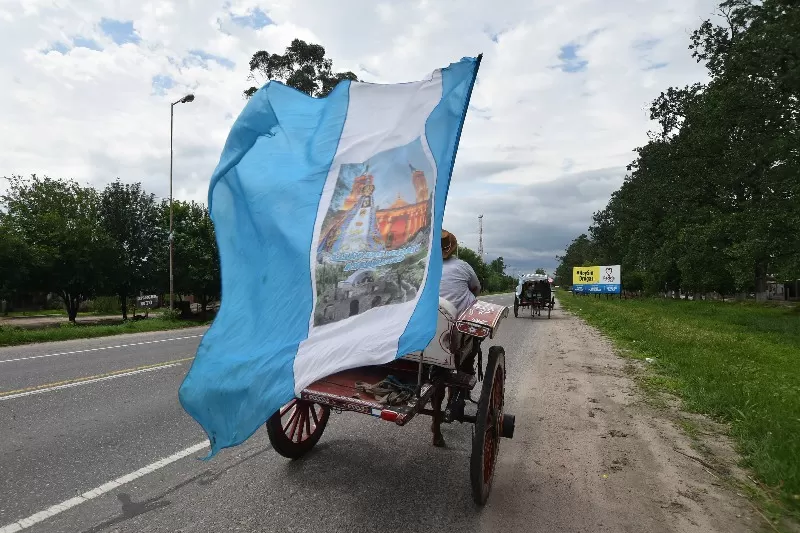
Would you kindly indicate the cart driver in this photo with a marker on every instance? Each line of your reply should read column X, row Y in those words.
column 459, row 285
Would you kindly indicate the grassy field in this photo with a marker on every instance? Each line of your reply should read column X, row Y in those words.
column 11, row 336
column 737, row 362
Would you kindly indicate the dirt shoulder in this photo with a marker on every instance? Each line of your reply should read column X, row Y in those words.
column 593, row 453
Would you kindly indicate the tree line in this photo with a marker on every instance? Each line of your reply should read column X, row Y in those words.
column 78, row 242
column 492, row 275
column 59, row 237
column 712, row 202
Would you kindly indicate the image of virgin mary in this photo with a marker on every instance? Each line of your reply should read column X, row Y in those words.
column 357, row 231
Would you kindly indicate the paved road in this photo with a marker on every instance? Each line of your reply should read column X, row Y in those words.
column 76, row 415
column 93, row 439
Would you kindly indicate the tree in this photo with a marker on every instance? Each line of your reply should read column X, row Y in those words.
column 541, row 271
column 59, row 222
column 129, row 217
column 709, row 201
column 498, row 266
column 474, row 260
column 14, row 260
column 196, row 256
column 579, row 253
column 302, row 66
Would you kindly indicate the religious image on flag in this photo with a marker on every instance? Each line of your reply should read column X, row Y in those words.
column 328, row 214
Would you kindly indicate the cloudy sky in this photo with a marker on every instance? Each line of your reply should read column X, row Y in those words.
column 560, row 103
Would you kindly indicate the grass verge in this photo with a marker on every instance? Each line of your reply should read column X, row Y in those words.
column 33, row 314
column 495, row 293
column 12, row 336
column 736, row 362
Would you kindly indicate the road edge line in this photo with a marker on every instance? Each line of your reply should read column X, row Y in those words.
column 54, row 510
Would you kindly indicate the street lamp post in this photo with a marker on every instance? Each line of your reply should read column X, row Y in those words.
column 185, row 100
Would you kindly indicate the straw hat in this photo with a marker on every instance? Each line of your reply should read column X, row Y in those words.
column 449, row 244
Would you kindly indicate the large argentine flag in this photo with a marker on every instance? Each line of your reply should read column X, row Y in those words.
column 328, row 215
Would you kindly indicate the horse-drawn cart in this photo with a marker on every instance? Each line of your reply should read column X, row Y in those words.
column 400, row 390
column 534, row 292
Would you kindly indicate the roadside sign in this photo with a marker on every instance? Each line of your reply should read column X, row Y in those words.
column 605, row 279
column 148, row 302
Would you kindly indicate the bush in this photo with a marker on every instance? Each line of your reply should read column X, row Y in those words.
column 170, row 314
column 107, row 305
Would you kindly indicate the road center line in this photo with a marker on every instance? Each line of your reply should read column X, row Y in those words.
column 99, row 349
column 47, row 387
column 41, row 516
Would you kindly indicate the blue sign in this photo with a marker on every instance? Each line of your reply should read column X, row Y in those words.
column 597, row 288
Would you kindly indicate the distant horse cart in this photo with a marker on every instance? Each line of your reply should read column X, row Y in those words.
column 534, row 292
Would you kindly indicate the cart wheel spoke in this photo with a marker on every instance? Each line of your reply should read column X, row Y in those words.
column 308, row 420
column 285, row 408
column 292, row 418
column 297, row 416
column 315, row 415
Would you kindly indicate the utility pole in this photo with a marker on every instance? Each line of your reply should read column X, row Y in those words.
column 480, row 236
column 185, row 100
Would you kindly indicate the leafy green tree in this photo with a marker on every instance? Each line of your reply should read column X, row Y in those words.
column 580, row 252
column 58, row 221
column 498, row 266
column 541, row 271
column 476, row 262
column 196, row 256
column 709, row 201
column 129, row 217
column 15, row 261
column 302, row 66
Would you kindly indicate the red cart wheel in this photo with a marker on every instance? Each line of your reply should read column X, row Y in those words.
column 296, row 427
column 488, row 426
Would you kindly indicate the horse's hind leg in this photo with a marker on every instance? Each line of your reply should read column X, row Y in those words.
column 436, row 425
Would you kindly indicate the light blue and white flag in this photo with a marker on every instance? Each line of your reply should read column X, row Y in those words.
column 328, row 214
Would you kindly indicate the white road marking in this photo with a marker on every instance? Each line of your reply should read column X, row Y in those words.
column 50, row 512
column 99, row 349
column 86, row 382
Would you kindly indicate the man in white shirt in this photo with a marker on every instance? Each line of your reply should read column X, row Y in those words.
column 459, row 284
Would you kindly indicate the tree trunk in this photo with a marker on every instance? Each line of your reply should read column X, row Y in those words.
column 761, row 282
column 123, row 298
column 71, row 303
column 203, row 305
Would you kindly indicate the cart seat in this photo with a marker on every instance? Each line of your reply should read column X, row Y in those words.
column 448, row 309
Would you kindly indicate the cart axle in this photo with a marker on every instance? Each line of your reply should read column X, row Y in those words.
column 507, row 426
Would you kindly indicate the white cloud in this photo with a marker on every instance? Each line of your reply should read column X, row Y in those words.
column 95, row 115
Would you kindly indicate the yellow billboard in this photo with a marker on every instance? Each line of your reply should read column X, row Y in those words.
column 585, row 275
column 603, row 279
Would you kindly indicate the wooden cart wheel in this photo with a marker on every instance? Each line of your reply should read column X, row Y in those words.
column 296, row 427
column 549, row 310
column 516, row 307
column 488, row 426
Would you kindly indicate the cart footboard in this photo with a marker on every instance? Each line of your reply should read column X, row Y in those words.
column 386, row 391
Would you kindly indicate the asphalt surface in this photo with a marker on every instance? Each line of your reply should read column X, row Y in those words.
column 77, row 415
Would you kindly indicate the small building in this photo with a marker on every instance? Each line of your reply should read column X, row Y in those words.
column 362, row 291
column 786, row 290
